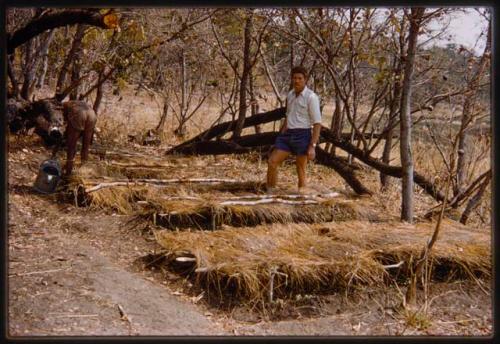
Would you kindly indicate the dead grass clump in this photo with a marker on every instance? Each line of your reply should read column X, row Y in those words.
column 252, row 263
column 214, row 216
column 265, row 262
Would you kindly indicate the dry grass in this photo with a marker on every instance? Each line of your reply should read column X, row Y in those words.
column 215, row 216
column 317, row 258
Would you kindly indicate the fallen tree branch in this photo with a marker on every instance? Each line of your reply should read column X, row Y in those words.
column 393, row 171
column 269, row 200
column 343, row 169
column 311, row 196
column 226, row 127
column 158, row 182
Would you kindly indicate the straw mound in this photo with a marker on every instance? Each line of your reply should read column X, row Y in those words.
column 201, row 204
column 256, row 263
column 214, row 216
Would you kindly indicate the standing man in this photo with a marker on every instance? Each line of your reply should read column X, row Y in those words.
column 302, row 113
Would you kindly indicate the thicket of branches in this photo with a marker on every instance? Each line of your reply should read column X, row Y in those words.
column 357, row 60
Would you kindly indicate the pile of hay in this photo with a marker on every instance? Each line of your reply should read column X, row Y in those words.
column 257, row 264
column 214, row 216
column 207, row 203
column 184, row 206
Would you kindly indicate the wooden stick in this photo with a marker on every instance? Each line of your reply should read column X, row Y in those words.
column 157, row 182
column 268, row 200
column 35, row 272
column 76, row 315
column 312, row 196
column 393, row 265
column 185, row 259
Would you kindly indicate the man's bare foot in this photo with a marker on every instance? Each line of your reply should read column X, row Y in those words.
column 306, row 191
column 270, row 190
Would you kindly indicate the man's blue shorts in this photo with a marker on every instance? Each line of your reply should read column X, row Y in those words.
column 294, row 141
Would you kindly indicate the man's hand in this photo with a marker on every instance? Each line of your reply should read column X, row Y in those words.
column 311, row 152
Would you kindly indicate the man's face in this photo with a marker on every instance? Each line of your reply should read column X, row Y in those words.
column 299, row 82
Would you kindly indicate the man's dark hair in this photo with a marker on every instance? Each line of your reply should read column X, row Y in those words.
column 299, row 70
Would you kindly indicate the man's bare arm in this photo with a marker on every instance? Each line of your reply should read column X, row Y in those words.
column 283, row 127
column 315, row 134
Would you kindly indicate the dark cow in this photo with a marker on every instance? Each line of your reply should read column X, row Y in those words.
column 80, row 122
column 65, row 123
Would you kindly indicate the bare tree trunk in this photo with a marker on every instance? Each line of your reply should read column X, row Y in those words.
column 293, row 26
column 254, row 106
column 161, row 125
column 337, row 122
column 12, row 77
column 61, row 80
column 45, row 59
column 405, row 143
column 386, row 155
column 77, row 63
column 461, row 159
column 28, row 69
column 180, row 131
column 99, row 93
column 244, row 76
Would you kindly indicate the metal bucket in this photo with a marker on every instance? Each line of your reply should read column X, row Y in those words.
column 49, row 175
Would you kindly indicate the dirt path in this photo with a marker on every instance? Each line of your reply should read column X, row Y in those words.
column 77, row 271
column 64, row 285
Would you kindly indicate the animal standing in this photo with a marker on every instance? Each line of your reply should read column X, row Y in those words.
column 59, row 124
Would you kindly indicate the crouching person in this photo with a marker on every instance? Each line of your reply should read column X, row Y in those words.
column 302, row 113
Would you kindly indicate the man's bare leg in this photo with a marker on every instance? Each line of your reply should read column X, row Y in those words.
column 276, row 158
column 301, row 163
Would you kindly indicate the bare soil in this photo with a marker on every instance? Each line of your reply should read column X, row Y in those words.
column 77, row 271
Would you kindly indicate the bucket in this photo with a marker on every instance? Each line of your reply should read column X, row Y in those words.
column 49, row 175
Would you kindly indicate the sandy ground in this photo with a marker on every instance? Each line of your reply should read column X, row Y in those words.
column 77, row 271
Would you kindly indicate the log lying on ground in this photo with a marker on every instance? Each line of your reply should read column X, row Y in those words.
column 262, row 142
column 249, row 143
column 393, row 171
column 343, row 169
column 246, row 141
column 225, row 127
column 157, row 182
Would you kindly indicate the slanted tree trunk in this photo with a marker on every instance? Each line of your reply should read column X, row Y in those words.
column 61, row 80
column 181, row 129
column 58, row 19
column 472, row 87
column 386, row 155
column 244, row 76
column 29, row 69
column 475, row 201
column 77, row 62
column 223, row 128
column 99, row 92
column 405, row 125
column 161, row 125
column 45, row 59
